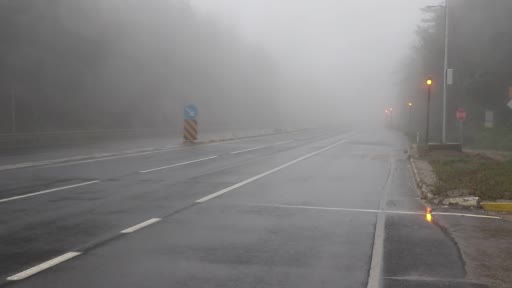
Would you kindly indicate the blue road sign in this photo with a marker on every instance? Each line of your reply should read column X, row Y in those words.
column 190, row 112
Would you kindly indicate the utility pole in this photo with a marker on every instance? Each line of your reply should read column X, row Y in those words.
column 443, row 140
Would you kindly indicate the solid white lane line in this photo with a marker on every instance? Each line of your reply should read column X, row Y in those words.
column 141, row 225
column 47, row 191
column 465, row 215
column 320, row 208
column 343, row 209
column 267, row 173
column 284, row 142
column 377, row 253
column 43, row 266
column 378, row 211
column 178, row 164
column 247, row 150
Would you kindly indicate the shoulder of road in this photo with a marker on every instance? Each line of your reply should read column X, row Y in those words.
column 483, row 243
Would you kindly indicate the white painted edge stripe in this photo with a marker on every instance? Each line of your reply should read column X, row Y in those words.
column 284, row 142
column 266, row 173
column 178, row 164
column 43, row 266
column 47, row 191
column 377, row 253
column 141, row 225
column 465, row 215
column 378, row 211
column 247, row 150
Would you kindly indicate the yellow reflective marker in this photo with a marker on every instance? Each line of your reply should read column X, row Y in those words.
column 428, row 215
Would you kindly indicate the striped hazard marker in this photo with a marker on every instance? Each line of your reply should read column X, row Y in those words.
column 190, row 130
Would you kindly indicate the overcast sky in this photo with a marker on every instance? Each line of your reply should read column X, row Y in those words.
column 351, row 49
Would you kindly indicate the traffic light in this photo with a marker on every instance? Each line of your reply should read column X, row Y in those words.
column 429, row 81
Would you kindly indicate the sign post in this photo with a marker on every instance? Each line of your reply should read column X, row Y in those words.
column 461, row 116
column 190, row 129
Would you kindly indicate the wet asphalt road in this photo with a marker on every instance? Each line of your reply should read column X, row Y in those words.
column 302, row 209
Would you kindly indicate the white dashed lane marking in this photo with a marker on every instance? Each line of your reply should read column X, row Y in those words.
column 141, row 225
column 43, row 266
column 178, row 164
column 47, row 191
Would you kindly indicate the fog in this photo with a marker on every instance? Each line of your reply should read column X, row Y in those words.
column 339, row 59
column 247, row 64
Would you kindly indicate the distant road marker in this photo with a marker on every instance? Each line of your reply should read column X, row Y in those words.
column 47, row 191
column 178, row 164
column 43, row 266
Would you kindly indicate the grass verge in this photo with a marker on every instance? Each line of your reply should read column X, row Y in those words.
column 471, row 174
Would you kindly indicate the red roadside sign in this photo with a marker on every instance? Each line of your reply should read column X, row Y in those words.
column 460, row 114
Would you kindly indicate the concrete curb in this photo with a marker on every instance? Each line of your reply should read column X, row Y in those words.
column 497, row 206
column 422, row 191
column 429, row 197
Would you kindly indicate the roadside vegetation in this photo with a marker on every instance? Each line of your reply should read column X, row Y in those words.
column 462, row 174
column 496, row 139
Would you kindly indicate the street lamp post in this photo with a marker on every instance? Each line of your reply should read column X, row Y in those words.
column 429, row 84
column 445, row 67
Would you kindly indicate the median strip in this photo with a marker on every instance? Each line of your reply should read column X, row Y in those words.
column 43, row 266
column 178, row 164
column 47, row 191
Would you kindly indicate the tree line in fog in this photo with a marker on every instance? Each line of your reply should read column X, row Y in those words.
column 479, row 51
column 127, row 64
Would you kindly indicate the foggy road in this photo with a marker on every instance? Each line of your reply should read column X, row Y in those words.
column 315, row 208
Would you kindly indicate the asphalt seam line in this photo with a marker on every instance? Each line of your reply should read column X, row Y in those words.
column 178, row 164
column 141, row 225
column 43, row 266
column 211, row 196
column 47, row 191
